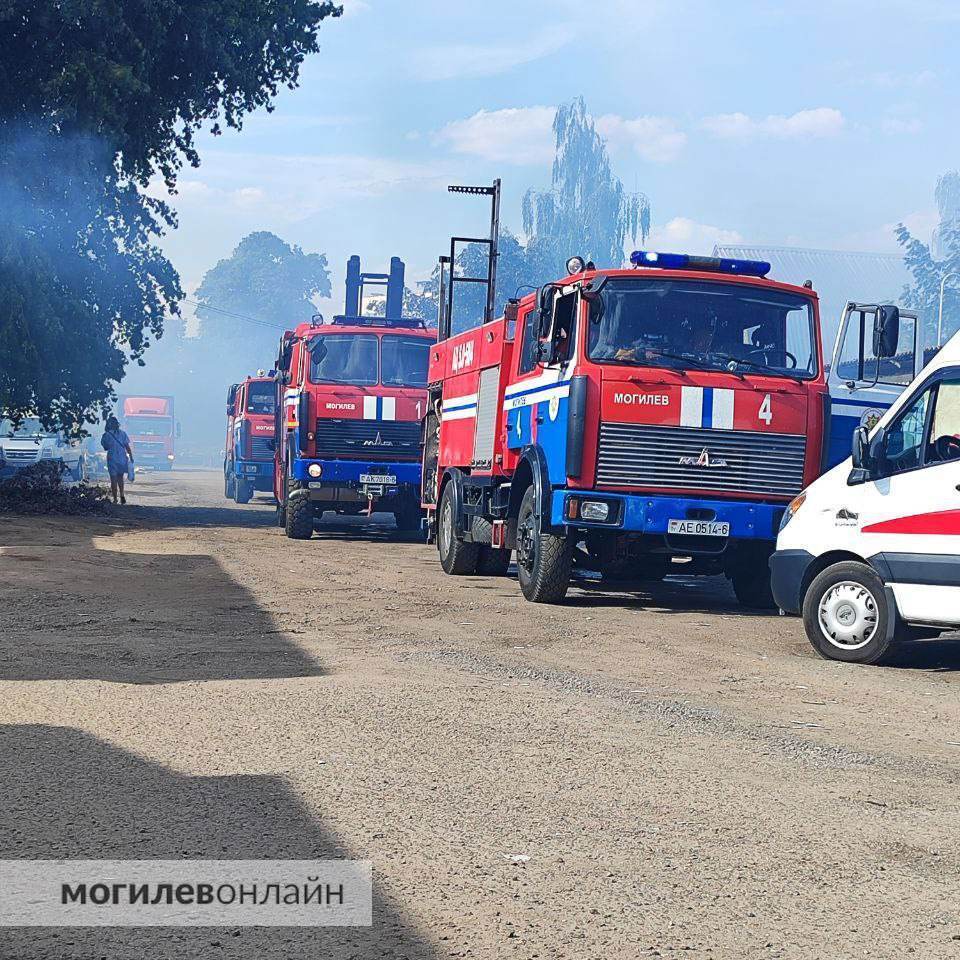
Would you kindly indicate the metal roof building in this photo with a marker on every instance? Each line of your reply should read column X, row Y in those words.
column 837, row 275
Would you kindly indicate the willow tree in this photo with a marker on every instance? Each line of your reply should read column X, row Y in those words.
column 586, row 211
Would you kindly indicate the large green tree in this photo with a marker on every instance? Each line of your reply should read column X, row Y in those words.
column 98, row 98
column 264, row 287
column 931, row 267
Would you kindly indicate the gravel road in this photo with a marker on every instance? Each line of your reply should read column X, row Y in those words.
column 627, row 775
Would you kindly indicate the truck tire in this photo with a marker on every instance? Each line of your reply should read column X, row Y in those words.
column 846, row 614
column 243, row 491
column 299, row 518
column 456, row 557
column 491, row 561
column 229, row 482
column 544, row 560
column 751, row 579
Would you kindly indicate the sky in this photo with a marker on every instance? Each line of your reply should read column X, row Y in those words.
column 818, row 124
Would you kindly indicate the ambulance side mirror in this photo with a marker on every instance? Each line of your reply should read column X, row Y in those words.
column 867, row 454
column 886, row 331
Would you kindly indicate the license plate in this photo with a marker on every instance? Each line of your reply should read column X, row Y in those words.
column 699, row 528
column 383, row 481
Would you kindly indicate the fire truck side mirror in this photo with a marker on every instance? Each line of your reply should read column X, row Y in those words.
column 886, row 331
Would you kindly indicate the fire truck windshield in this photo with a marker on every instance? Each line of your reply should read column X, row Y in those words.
column 261, row 398
column 149, row 426
column 722, row 326
column 404, row 361
column 344, row 358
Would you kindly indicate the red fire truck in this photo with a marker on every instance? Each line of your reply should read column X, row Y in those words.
column 248, row 460
column 351, row 397
column 150, row 424
column 639, row 422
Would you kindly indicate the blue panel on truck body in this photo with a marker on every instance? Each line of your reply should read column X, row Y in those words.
column 652, row 514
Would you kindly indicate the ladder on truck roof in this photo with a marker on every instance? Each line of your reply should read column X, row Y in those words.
column 448, row 272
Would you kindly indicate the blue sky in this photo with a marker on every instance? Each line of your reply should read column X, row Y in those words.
column 817, row 124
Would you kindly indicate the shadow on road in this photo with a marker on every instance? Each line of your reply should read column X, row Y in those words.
column 69, row 795
column 941, row 655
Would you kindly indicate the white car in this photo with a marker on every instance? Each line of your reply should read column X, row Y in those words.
column 870, row 552
column 30, row 443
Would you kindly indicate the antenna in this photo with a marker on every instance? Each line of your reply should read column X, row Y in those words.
column 492, row 243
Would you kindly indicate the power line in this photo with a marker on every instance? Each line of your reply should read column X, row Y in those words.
column 236, row 316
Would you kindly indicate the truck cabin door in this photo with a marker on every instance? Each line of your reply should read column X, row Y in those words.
column 863, row 385
column 907, row 501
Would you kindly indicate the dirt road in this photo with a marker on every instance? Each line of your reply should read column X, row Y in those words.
column 684, row 779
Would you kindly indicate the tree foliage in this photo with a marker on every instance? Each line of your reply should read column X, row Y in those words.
column 929, row 270
column 266, row 280
column 97, row 98
column 586, row 212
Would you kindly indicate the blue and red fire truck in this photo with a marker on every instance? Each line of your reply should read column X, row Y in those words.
column 248, row 450
column 636, row 421
column 351, row 395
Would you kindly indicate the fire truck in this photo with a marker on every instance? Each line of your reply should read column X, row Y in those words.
column 351, row 397
column 635, row 422
column 248, row 460
column 150, row 424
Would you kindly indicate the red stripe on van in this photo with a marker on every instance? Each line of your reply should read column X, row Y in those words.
column 943, row 524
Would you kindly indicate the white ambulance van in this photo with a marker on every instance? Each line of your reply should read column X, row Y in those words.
column 870, row 553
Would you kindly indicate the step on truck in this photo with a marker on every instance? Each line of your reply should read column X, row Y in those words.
column 351, row 395
column 635, row 422
column 149, row 423
column 248, row 458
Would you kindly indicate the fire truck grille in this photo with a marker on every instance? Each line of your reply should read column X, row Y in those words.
column 683, row 458
column 368, row 439
column 260, row 448
column 147, row 446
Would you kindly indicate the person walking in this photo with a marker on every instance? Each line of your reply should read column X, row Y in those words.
column 119, row 457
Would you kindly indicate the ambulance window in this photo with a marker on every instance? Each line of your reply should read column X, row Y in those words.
column 529, row 349
column 945, row 435
column 905, row 441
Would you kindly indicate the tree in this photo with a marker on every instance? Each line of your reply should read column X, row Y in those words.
column 97, row 97
column 269, row 282
column 929, row 270
column 586, row 211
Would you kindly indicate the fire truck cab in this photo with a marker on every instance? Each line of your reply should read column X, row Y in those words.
column 248, row 459
column 351, row 395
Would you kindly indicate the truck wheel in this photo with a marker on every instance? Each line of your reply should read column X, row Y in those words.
column 751, row 578
column 244, row 491
column 80, row 474
column 281, row 515
column 544, row 560
column 456, row 557
column 846, row 615
column 299, row 518
column 229, row 482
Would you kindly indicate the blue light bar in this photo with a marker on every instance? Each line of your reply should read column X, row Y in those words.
column 684, row 261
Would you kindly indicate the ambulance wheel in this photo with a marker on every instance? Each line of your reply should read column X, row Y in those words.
column 846, row 614
column 456, row 557
column 244, row 491
column 299, row 518
column 544, row 560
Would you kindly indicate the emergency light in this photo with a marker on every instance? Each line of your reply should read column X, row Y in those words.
column 684, row 261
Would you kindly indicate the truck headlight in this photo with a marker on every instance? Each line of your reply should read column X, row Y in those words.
column 595, row 510
column 795, row 504
column 315, row 470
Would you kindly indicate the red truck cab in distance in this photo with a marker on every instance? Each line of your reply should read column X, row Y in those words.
column 150, row 424
column 248, row 458
column 623, row 419
column 351, row 397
